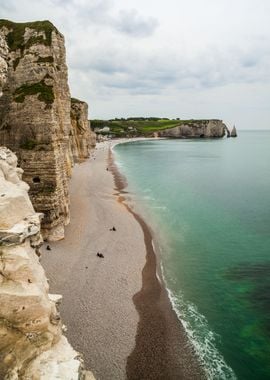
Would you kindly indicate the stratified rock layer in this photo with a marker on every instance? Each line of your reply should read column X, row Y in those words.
column 195, row 129
column 31, row 342
column 35, row 117
column 82, row 139
column 35, row 121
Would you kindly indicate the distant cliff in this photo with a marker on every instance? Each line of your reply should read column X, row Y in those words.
column 195, row 129
column 35, row 117
column 160, row 127
column 81, row 139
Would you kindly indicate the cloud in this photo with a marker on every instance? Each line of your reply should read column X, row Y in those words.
column 133, row 24
column 139, row 71
column 121, row 52
column 6, row 6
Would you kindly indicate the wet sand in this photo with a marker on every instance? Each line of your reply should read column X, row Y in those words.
column 117, row 311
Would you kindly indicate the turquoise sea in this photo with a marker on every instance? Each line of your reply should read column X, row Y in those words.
column 208, row 202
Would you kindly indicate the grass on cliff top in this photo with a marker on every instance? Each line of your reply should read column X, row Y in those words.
column 140, row 126
column 45, row 92
column 15, row 38
column 75, row 100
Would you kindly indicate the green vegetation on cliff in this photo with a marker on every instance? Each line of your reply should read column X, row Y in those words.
column 44, row 91
column 15, row 38
column 74, row 100
column 48, row 59
column 28, row 144
column 138, row 126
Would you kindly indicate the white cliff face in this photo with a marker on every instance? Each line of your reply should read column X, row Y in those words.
column 36, row 118
column 31, row 342
column 196, row 129
column 3, row 63
column 81, row 138
column 14, row 203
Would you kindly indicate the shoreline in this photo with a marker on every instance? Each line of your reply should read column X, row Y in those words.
column 103, row 298
column 97, row 305
column 150, row 359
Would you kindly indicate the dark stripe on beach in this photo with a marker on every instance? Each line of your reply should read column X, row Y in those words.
column 162, row 349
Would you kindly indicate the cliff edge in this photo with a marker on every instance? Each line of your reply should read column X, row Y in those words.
column 35, row 117
column 31, row 342
column 194, row 129
column 159, row 127
column 81, row 138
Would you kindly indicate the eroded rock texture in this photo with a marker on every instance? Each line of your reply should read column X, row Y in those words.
column 193, row 129
column 3, row 63
column 31, row 342
column 82, row 139
column 35, row 117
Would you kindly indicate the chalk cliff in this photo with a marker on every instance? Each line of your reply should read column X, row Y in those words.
column 31, row 342
column 198, row 128
column 3, row 63
column 82, row 139
column 35, row 119
column 233, row 132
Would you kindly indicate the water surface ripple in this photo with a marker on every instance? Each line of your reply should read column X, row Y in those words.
column 208, row 202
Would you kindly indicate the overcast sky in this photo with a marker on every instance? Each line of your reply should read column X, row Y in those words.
column 172, row 58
